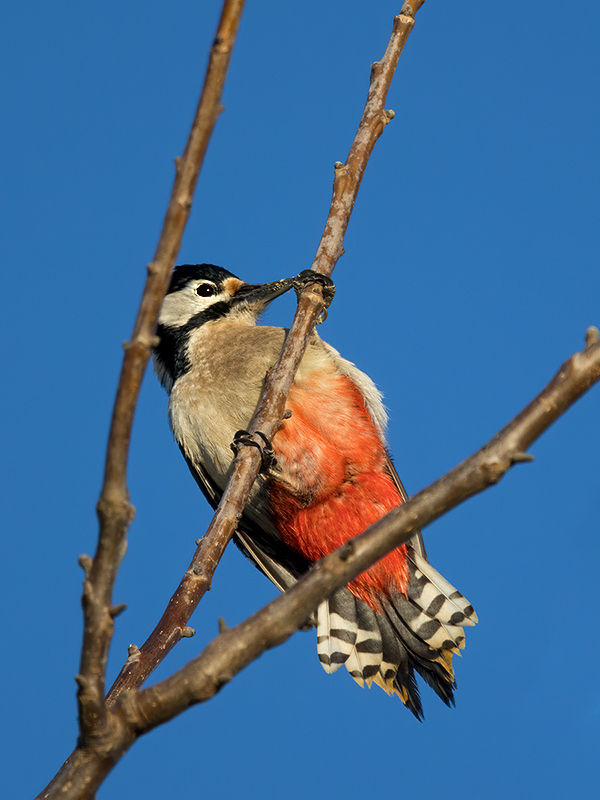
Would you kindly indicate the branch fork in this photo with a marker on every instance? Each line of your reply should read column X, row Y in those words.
column 109, row 728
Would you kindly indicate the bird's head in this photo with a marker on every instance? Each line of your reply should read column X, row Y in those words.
column 199, row 294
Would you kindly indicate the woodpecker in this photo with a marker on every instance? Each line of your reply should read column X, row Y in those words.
column 329, row 476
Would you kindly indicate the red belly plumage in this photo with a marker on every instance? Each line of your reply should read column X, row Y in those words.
column 336, row 481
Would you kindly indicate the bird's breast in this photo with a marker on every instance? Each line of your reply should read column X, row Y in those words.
column 219, row 394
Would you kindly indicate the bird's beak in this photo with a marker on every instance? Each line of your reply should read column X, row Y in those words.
column 258, row 296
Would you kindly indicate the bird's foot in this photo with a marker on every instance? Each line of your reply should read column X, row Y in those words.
column 308, row 276
column 246, row 439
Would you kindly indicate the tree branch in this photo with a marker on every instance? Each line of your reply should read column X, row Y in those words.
column 237, row 647
column 198, row 576
column 115, row 512
column 137, row 713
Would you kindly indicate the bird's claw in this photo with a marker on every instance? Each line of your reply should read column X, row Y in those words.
column 308, row 276
column 246, row 439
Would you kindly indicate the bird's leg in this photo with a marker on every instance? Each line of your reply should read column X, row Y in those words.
column 308, row 276
column 246, row 439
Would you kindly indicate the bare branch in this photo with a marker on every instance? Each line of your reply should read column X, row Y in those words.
column 115, row 512
column 138, row 712
column 236, row 647
column 592, row 335
column 271, row 409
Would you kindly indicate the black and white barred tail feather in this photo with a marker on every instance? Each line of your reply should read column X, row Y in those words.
column 417, row 632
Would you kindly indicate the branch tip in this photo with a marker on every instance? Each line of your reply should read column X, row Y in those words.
column 85, row 562
column 375, row 68
column 133, row 650
column 522, row 458
column 187, row 632
column 592, row 336
column 117, row 609
column 81, row 681
column 222, row 625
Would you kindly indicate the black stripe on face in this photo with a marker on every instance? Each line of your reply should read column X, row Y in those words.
column 171, row 350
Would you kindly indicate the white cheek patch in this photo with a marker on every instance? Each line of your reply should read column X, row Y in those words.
column 179, row 307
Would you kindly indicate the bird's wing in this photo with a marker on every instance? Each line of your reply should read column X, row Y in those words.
column 417, row 539
column 256, row 536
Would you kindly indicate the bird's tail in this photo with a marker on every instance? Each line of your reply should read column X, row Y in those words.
column 417, row 631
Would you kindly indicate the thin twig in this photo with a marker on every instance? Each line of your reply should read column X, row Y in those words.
column 347, row 179
column 137, row 713
column 115, row 512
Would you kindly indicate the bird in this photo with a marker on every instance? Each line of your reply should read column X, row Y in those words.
column 327, row 475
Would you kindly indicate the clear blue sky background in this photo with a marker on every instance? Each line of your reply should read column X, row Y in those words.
column 471, row 273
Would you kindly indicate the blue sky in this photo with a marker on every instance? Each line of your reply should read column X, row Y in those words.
column 470, row 274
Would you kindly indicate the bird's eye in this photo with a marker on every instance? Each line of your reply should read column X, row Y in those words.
column 205, row 290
